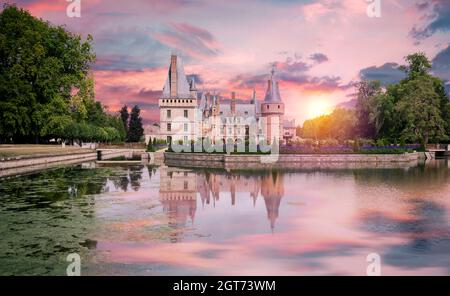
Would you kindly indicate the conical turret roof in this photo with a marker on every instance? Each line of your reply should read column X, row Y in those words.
column 272, row 92
column 176, row 85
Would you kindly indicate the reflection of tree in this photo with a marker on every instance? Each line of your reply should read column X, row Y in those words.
column 151, row 170
column 47, row 215
column 428, row 237
column 130, row 175
column 57, row 184
column 435, row 173
column 135, row 173
column 120, row 178
column 123, row 182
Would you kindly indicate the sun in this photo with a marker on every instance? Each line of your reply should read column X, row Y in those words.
column 318, row 107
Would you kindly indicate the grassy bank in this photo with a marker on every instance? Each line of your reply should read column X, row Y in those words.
column 7, row 151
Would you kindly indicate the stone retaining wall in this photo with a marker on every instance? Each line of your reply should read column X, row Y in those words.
column 28, row 161
column 19, row 162
column 289, row 160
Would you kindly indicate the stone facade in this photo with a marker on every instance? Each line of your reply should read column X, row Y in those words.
column 187, row 115
column 294, row 161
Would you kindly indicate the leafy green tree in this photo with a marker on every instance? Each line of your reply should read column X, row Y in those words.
column 124, row 116
column 416, row 109
column 340, row 124
column 38, row 62
column 420, row 109
column 135, row 129
column 47, row 90
column 150, row 147
column 367, row 92
column 418, row 64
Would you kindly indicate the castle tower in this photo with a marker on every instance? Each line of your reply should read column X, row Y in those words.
column 193, row 88
column 178, row 105
column 272, row 111
column 233, row 103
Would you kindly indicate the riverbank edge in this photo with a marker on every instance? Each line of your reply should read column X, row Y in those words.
column 89, row 155
column 207, row 158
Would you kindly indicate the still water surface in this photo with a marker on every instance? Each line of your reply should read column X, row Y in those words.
column 147, row 220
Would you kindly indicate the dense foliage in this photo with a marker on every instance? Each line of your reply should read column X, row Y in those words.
column 133, row 123
column 340, row 125
column 415, row 110
column 47, row 91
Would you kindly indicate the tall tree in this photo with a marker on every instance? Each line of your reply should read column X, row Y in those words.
column 46, row 89
column 420, row 109
column 340, row 124
column 416, row 108
column 135, row 129
column 367, row 92
column 418, row 64
column 124, row 115
column 38, row 62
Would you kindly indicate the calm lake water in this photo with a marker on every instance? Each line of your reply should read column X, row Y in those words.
column 147, row 220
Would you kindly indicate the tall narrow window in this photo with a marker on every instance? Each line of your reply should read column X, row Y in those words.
column 169, row 113
column 185, row 127
column 185, row 113
column 169, row 127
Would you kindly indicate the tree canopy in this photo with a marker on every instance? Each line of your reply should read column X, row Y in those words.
column 47, row 91
column 135, row 129
column 414, row 110
column 340, row 125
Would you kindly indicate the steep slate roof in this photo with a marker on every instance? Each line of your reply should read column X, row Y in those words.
column 272, row 92
column 183, row 87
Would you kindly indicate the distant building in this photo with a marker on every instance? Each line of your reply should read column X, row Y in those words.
column 187, row 115
column 289, row 130
column 153, row 132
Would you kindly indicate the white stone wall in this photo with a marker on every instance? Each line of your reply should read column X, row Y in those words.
column 181, row 127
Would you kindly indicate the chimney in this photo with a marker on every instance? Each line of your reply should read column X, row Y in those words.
column 233, row 103
column 173, row 76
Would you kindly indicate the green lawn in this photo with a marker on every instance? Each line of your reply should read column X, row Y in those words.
column 34, row 150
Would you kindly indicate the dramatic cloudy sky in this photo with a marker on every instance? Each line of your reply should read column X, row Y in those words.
column 320, row 46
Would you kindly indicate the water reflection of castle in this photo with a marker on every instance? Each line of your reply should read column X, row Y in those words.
column 179, row 188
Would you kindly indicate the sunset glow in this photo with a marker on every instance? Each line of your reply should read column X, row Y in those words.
column 318, row 46
column 318, row 107
column 221, row 146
